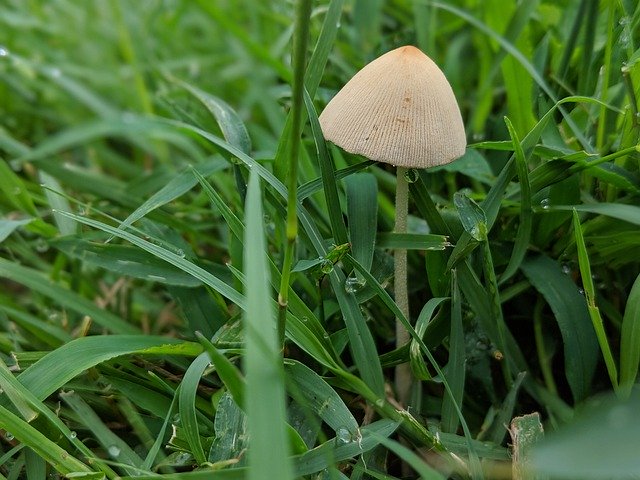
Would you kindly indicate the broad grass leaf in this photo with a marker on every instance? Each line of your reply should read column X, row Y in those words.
column 630, row 341
column 601, row 442
column 38, row 282
column 570, row 311
column 59, row 366
column 362, row 214
column 265, row 392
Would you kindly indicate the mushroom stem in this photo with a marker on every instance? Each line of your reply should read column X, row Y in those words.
column 401, row 294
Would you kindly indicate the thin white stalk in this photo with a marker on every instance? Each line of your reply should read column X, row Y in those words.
column 403, row 375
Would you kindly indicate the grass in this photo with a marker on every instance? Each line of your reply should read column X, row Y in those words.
column 169, row 209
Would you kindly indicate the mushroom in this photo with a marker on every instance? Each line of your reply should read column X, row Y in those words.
column 399, row 109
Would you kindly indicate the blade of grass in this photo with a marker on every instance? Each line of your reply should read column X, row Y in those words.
column 571, row 313
column 362, row 213
column 526, row 216
column 38, row 282
column 117, row 448
column 268, row 452
column 630, row 341
column 456, row 366
column 56, row 456
column 56, row 368
column 228, row 372
column 187, row 405
column 594, row 312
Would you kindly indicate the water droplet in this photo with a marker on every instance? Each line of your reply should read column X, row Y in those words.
column 624, row 21
column 380, row 403
column 114, row 450
column 566, row 269
column 477, row 137
column 326, row 266
column 343, row 436
column 544, row 203
column 55, row 72
column 182, row 459
column 624, row 40
column 581, row 291
column 53, row 315
column 411, row 175
column 353, row 284
column 42, row 245
column 180, row 253
column 9, row 436
column 73, row 434
column 4, row 52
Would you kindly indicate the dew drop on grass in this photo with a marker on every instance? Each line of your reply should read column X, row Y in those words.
column 544, row 203
column 157, row 278
column 353, row 284
column 114, row 451
column 343, row 436
column 42, row 245
column 326, row 266
column 9, row 436
column 73, row 435
column 55, row 72
column 411, row 175
column 180, row 253
column 566, row 269
column 4, row 52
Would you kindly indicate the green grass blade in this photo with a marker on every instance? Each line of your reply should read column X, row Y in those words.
column 117, row 448
column 168, row 256
column 456, row 366
column 56, row 368
column 412, row 241
column 187, row 405
column 323, row 46
column 265, row 393
column 571, row 313
column 7, row 227
column 621, row 211
column 14, row 190
column 66, row 226
column 56, row 456
column 228, row 372
column 125, row 260
column 630, row 340
column 590, row 293
column 336, row 450
column 328, row 174
column 421, row 467
column 416, row 360
column 36, row 281
column 362, row 214
column 526, row 216
column 172, row 190
column 232, row 127
column 321, row 399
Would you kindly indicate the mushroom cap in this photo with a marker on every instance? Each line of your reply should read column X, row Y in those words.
column 398, row 109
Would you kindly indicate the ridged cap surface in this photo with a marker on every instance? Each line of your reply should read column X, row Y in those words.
column 398, row 109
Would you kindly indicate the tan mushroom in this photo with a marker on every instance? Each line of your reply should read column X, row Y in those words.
column 399, row 109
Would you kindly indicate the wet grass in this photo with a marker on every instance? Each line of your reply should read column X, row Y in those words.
column 157, row 241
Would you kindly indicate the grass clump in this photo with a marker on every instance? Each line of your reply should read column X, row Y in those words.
column 147, row 212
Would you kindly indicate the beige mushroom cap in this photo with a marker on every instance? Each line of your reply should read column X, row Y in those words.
column 398, row 109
